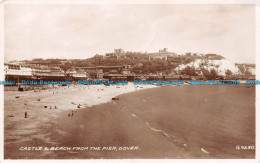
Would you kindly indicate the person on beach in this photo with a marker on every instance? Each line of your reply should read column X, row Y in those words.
column 12, row 115
column 25, row 115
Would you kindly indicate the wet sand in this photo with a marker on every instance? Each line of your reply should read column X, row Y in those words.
column 163, row 122
column 210, row 120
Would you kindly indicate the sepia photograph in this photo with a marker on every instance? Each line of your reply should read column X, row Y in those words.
column 129, row 81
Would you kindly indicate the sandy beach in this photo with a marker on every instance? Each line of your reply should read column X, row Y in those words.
column 162, row 122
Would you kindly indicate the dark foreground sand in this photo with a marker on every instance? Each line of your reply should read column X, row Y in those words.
column 165, row 122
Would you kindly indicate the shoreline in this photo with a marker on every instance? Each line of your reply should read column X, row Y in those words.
column 124, row 122
column 46, row 105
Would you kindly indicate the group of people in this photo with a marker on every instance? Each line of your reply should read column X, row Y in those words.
column 72, row 113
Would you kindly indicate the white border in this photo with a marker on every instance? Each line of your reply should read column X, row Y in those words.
column 71, row 2
column 1, row 79
column 257, row 57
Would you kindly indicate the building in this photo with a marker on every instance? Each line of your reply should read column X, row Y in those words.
column 45, row 71
column 99, row 72
column 89, row 72
column 214, row 56
column 76, row 73
column 118, row 53
column 17, row 72
column 126, row 70
column 162, row 54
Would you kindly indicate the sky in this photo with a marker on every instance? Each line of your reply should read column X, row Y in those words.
column 81, row 31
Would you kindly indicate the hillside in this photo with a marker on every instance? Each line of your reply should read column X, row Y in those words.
column 192, row 64
column 220, row 66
